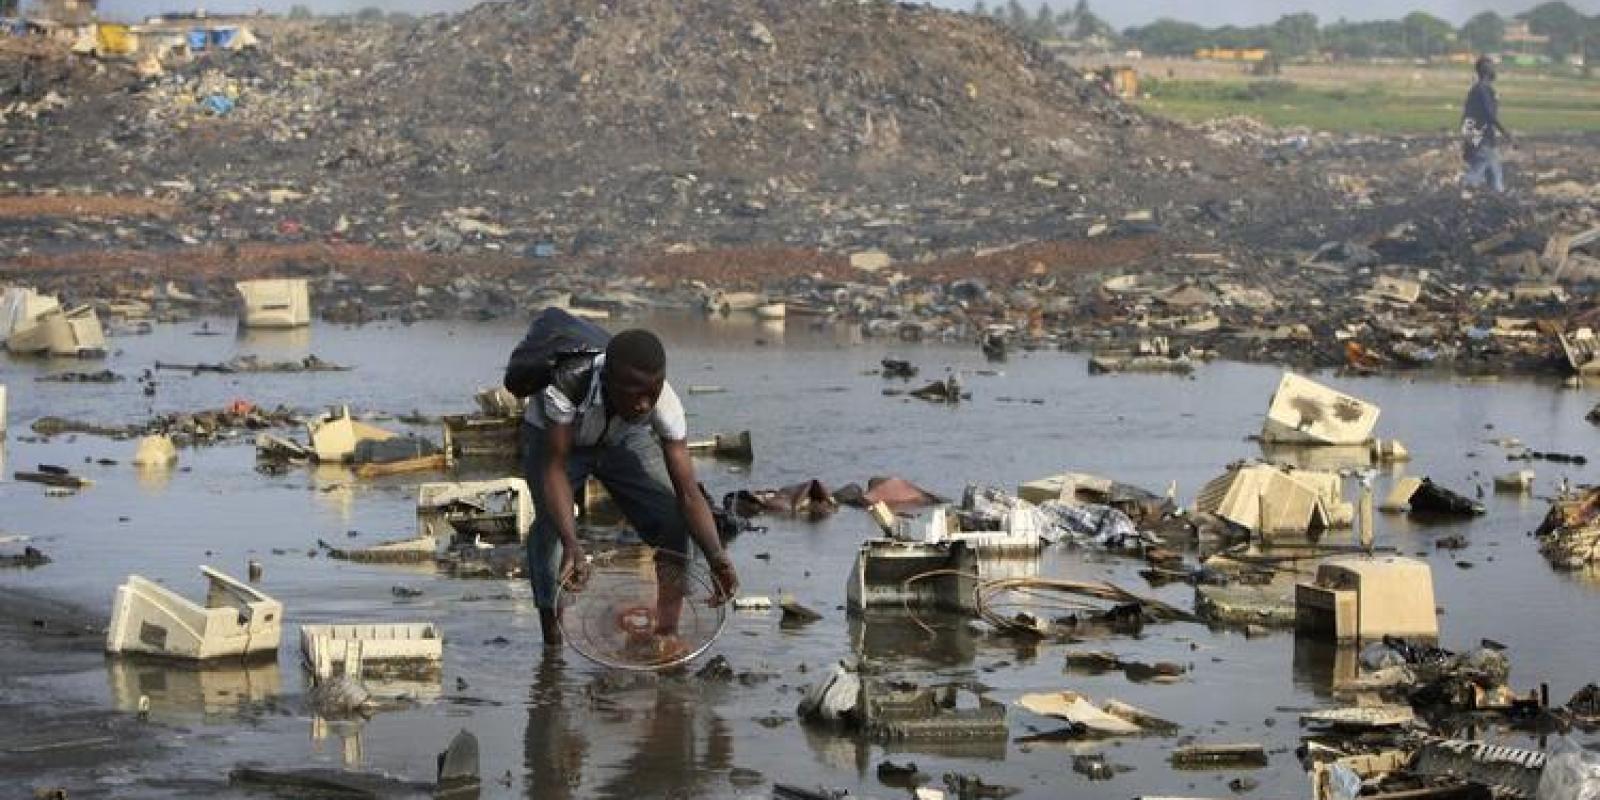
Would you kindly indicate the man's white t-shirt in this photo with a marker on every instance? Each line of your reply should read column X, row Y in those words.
column 667, row 420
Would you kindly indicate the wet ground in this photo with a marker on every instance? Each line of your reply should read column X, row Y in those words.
column 560, row 728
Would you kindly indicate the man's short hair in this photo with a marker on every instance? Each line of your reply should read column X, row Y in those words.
column 637, row 349
column 1483, row 66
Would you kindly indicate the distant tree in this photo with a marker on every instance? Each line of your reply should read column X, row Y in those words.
column 299, row 11
column 1295, row 35
column 401, row 18
column 370, row 14
column 1426, row 34
column 980, row 9
column 1085, row 24
column 1559, row 21
column 1044, row 23
column 1169, row 37
column 1016, row 17
column 1484, row 33
column 8, row 8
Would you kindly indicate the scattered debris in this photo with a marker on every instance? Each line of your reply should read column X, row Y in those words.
column 1306, row 412
column 1276, row 501
column 1423, row 496
column 156, row 452
column 1569, row 536
column 53, row 476
column 1364, row 598
column 237, row 620
column 794, row 614
column 1114, row 718
column 1219, row 756
column 275, row 303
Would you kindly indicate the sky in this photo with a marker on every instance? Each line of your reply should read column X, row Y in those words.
column 1121, row 13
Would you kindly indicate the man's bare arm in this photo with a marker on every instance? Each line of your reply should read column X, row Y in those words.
column 556, row 492
column 680, row 469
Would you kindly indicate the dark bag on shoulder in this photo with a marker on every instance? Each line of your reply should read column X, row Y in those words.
column 554, row 341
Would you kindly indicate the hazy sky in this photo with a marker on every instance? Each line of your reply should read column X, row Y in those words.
column 1121, row 13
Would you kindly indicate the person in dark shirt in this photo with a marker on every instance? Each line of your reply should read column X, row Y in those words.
column 1481, row 131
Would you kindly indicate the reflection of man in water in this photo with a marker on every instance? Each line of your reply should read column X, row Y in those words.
column 630, row 740
column 554, row 748
column 599, row 418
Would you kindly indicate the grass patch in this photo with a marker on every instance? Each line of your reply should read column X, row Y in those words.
column 1554, row 105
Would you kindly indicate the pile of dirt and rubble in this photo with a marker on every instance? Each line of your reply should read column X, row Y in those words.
column 602, row 129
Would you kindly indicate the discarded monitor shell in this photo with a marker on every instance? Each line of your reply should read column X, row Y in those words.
column 1361, row 598
column 735, row 446
column 417, row 645
column 68, row 333
column 1306, row 412
column 1273, row 500
column 236, row 620
column 475, row 512
column 1022, row 533
column 334, row 435
column 1518, row 482
column 1582, row 349
column 19, row 307
column 482, row 437
column 275, row 303
column 927, row 714
column 1422, row 495
column 721, row 302
column 882, row 567
column 155, row 452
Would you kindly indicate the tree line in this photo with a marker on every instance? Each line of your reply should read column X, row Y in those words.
column 1417, row 35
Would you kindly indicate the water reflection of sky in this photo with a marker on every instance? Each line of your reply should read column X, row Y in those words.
column 815, row 411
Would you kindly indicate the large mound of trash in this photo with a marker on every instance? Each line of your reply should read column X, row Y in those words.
column 605, row 128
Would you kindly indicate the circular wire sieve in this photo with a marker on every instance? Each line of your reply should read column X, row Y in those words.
column 615, row 617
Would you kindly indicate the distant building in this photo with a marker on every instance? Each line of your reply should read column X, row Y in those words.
column 65, row 12
column 1249, row 54
column 1520, row 39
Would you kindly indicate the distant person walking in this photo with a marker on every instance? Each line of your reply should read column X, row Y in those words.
column 1481, row 131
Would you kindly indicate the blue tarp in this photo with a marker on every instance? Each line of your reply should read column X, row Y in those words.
column 223, row 37
column 197, row 40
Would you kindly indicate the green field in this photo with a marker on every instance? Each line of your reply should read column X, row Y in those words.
column 1419, row 102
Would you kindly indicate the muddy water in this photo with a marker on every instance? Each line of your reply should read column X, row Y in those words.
column 546, row 730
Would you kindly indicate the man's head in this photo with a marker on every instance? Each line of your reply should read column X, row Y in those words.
column 636, row 369
column 1485, row 68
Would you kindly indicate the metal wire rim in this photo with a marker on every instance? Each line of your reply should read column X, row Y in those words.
column 692, row 570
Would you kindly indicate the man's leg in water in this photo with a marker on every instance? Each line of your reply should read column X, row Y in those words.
column 544, row 544
column 635, row 473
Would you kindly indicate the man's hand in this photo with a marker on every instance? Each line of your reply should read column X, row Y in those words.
column 727, row 580
column 574, row 567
